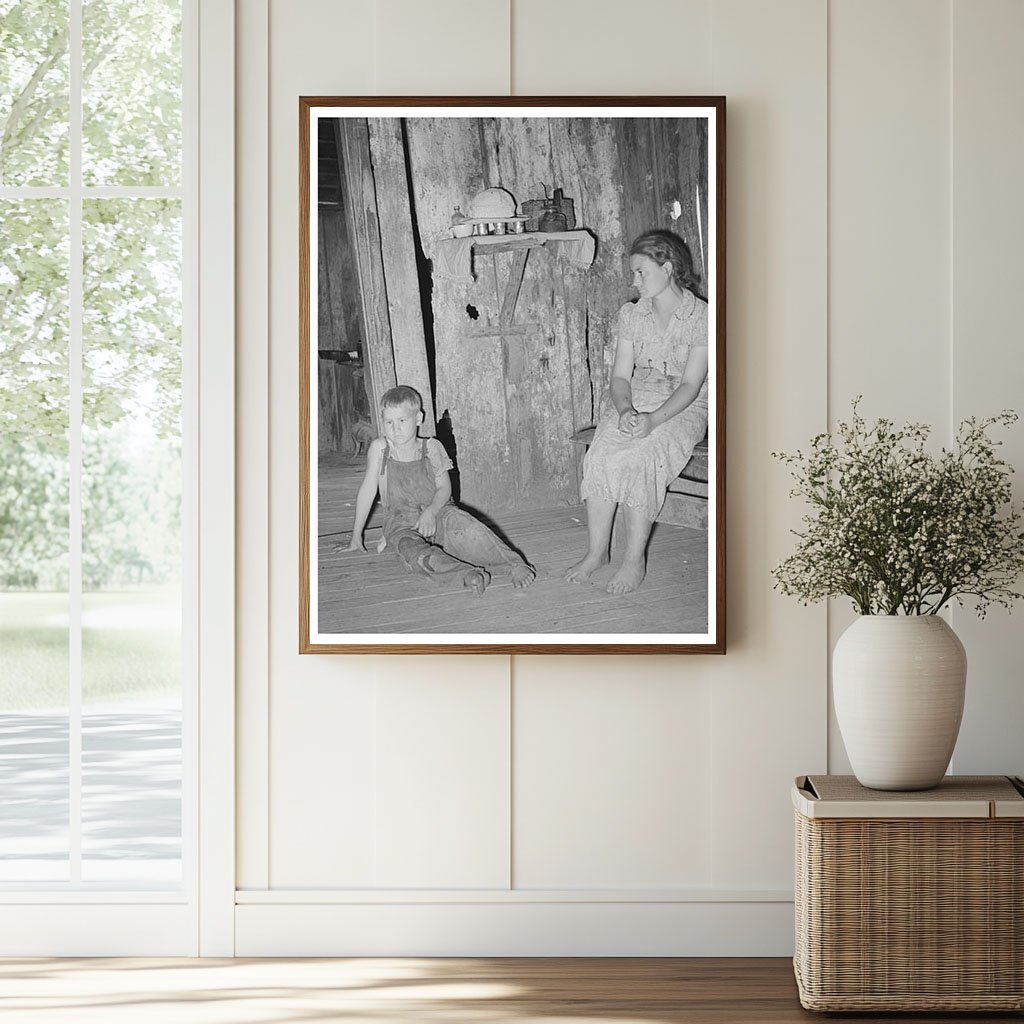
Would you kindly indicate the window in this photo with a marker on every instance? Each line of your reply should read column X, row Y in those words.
column 95, row 456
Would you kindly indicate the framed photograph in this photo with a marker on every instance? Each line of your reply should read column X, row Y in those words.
column 512, row 375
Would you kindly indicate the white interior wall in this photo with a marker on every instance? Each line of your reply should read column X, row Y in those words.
column 889, row 203
column 986, row 354
column 545, row 804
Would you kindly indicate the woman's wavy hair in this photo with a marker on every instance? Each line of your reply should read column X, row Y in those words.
column 668, row 247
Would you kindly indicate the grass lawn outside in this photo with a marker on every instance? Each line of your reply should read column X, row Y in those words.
column 131, row 647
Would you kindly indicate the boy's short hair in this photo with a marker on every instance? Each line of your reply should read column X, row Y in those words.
column 401, row 395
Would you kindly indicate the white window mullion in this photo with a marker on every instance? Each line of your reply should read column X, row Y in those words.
column 75, row 298
column 95, row 191
column 34, row 192
column 190, row 452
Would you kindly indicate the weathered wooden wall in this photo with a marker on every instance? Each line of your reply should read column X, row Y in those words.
column 514, row 397
column 580, row 157
column 664, row 162
column 448, row 166
column 342, row 397
column 516, row 393
column 343, row 403
column 398, row 259
column 329, row 428
column 362, row 224
column 338, row 313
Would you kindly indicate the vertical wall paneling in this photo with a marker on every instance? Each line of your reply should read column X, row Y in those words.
column 611, row 779
column 889, row 203
column 252, row 461
column 401, row 772
column 888, row 223
column 216, row 296
column 323, row 710
column 987, row 368
column 320, row 708
column 442, row 48
column 324, row 762
column 442, row 733
column 576, row 48
column 442, row 774
column 769, row 692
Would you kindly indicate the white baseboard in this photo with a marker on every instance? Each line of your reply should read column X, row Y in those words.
column 96, row 929
column 503, row 928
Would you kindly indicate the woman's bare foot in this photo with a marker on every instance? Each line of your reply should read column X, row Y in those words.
column 581, row 571
column 628, row 578
column 476, row 580
column 522, row 575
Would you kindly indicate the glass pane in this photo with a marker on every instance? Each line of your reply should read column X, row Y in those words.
column 131, row 92
column 33, row 92
column 33, row 540
column 131, row 541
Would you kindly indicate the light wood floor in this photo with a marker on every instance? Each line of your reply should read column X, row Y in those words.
column 424, row 991
column 374, row 594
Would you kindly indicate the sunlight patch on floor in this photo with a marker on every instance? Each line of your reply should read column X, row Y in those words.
column 219, row 991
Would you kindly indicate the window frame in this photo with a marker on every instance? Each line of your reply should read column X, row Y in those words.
column 75, row 918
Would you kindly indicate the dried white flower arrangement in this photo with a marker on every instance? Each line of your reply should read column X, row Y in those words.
column 899, row 530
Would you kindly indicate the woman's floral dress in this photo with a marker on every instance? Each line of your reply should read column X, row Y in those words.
column 636, row 471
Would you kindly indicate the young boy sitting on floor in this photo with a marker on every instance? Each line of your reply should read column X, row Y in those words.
column 430, row 534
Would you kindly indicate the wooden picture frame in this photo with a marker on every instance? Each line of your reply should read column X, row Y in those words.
column 503, row 309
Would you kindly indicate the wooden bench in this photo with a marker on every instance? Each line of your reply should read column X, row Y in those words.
column 686, row 498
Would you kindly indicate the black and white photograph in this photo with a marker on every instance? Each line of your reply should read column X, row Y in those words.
column 512, row 375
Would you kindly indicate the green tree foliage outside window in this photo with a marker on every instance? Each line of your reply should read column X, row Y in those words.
column 131, row 308
column 34, row 76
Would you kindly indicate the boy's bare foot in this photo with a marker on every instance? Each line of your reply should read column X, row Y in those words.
column 522, row 575
column 476, row 580
column 581, row 571
column 627, row 579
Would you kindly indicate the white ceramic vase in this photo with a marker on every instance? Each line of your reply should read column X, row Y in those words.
column 898, row 684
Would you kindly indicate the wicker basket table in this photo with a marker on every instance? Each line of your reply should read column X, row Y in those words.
column 910, row 901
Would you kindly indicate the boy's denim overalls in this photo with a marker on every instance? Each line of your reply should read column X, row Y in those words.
column 460, row 544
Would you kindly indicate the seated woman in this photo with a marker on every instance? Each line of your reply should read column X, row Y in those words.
column 658, row 408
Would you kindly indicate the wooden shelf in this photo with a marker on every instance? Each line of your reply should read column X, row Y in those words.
column 521, row 244
column 525, row 239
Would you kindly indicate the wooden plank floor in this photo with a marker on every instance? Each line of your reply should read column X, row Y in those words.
column 416, row 991
column 371, row 593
